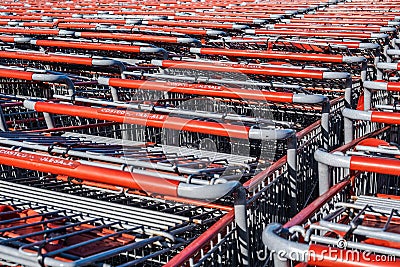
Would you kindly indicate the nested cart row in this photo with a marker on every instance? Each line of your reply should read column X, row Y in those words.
column 154, row 133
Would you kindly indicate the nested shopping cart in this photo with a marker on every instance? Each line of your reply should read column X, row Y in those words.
column 163, row 125
column 115, row 49
column 340, row 21
column 312, row 79
column 48, row 222
column 162, row 40
column 272, row 197
column 18, row 81
column 377, row 107
column 354, row 221
column 68, row 64
column 34, row 31
column 92, row 173
column 378, row 37
column 357, row 66
column 308, row 45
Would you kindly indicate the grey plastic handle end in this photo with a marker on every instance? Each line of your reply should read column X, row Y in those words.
column 29, row 104
column 330, row 159
column 206, row 191
column 285, row 248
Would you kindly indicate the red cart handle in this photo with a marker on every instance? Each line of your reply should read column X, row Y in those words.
column 160, row 121
column 136, row 37
column 98, row 46
column 14, row 39
column 359, row 163
column 359, row 35
column 372, row 116
column 229, row 26
column 139, row 181
column 34, row 56
column 332, row 28
column 251, row 69
column 278, row 55
column 33, row 76
column 213, row 91
column 52, row 32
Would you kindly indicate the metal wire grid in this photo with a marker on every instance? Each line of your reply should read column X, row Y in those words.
column 26, row 88
column 17, row 117
column 150, row 244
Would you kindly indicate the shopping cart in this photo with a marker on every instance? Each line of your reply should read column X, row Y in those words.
column 272, row 197
column 319, row 80
column 72, row 228
column 378, row 107
column 348, row 215
column 170, row 43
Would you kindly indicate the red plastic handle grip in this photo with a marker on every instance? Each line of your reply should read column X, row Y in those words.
column 204, row 90
column 75, row 169
column 378, row 165
column 245, row 69
column 385, row 117
column 273, row 55
column 46, row 58
column 393, row 86
column 16, row 74
column 89, row 46
column 146, row 119
column 129, row 37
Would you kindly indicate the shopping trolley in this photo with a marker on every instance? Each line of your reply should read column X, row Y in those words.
column 81, row 179
column 272, row 197
column 312, row 79
column 308, row 45
column 35, row 83
column 378, row 107
column 72, row 228
column 346, row 216
column 170, row 126
column 341, row 21
column 35, row 31
column 380, row 38
column 203, row 33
